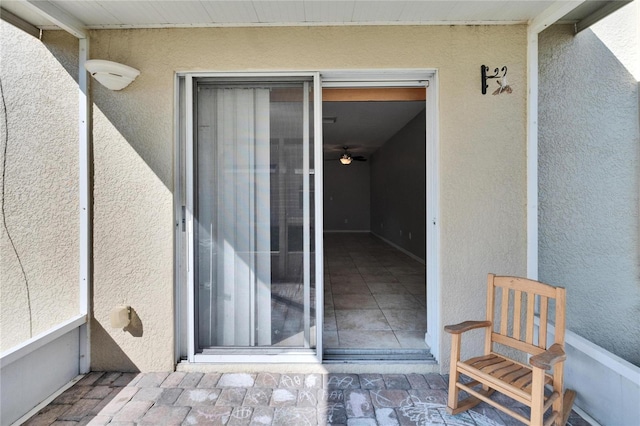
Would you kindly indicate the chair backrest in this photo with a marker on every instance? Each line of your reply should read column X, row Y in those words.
column 511, row 308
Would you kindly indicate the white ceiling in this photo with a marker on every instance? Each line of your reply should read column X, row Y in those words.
column 194, row 13
column 364, row 126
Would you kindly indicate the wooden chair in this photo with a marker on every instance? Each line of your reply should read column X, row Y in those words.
column 495, row 372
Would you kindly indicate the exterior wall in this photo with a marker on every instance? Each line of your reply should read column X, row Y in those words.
column 482, row 159
column 589, row 180
column 40, row 197
column 620, row 32
column 398, row 188
column 346, row 196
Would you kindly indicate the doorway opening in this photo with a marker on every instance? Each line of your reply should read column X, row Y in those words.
column 374, row 199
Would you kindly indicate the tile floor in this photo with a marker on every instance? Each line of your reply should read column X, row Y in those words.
column 375, row 295
column 265, row 398
column 375, row 298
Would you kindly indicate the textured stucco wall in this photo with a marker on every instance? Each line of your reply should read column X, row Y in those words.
column 398, row 188
column 40, row 183
column 620, row 32
column 589, row 179
column 482, row 159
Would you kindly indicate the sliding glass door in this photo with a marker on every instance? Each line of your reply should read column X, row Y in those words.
column 252, row 214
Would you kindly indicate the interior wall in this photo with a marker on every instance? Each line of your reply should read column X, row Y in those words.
column 398, row 188
column 589, row 151
column 346, row 196
column 39, row 229
column 482, row 157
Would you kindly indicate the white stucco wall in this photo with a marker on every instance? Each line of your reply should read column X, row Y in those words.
column 40, row 183
column 620, row 32
column 589, row 182
column 482, row 159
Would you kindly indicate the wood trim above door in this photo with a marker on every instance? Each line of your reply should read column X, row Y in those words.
column 364, row 94
column 373, row 94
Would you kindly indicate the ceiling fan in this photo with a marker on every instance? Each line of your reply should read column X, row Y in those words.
column 346, row 158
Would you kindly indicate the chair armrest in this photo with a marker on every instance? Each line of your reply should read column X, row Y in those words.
column 466, row 326
column 548, row 358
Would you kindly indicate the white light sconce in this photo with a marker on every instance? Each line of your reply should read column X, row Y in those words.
column 120, row 316
column 112, row 75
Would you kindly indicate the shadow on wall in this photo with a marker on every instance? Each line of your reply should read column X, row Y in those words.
column 132, row 183
column 589, row 179
column 59, row 43
column 108, row 355
column 138, row 113
column 135, row 325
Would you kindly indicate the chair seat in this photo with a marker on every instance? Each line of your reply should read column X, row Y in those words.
column 502, row 374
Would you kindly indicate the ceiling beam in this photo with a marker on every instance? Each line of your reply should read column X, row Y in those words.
column 552, row 14
column 548, row 17
column 20, row 23
column 59, row 17
column 599, row 14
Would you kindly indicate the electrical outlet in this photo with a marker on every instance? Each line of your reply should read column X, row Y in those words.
column 409, row 235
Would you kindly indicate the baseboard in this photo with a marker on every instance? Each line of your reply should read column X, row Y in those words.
column 405, row 251
column 342, row 231
column 585, row 416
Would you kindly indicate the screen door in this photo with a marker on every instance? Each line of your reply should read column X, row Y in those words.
column 253, row 214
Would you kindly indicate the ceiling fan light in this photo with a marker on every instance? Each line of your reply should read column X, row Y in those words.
column 345, row 159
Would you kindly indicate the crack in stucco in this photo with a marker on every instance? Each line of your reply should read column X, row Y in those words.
column 4, row 216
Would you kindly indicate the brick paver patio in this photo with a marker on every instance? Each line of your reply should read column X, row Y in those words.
column 182, row 398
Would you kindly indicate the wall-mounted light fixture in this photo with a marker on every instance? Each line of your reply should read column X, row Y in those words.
column 504, row 87
column 112, row 75
column 120, row 316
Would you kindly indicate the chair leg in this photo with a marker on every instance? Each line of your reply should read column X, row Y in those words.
column 452, row 403
column 537, row 397
column 557, row 408
column 558, row 405
column 454, row 376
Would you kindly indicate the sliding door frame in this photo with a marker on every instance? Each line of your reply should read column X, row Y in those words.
column 185, row 275
column 184, row 296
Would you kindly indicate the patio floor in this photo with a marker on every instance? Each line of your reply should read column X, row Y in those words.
column 263, row 399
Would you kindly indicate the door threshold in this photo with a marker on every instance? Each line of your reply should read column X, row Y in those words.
column 326, row 367
column 377, row 355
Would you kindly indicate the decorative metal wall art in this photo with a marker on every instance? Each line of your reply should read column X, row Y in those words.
column 500, row 73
